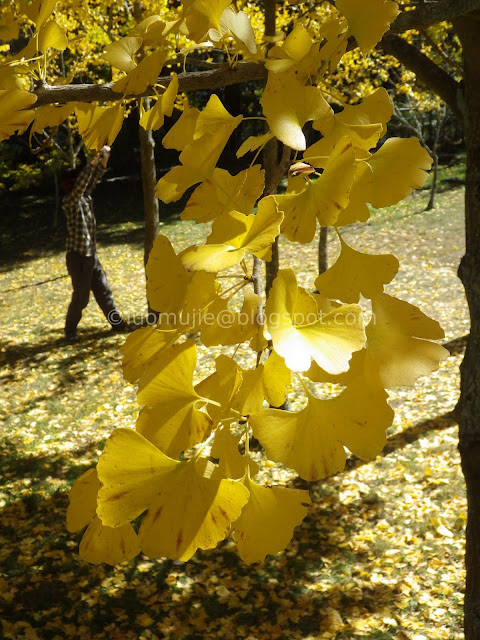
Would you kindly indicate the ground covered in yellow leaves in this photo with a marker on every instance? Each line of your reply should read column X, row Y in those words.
column 380, row 555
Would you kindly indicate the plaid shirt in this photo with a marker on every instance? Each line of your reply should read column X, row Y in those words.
column 78, row 208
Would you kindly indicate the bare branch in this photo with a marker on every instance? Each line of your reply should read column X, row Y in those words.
column 192, row 81
column 441, row 51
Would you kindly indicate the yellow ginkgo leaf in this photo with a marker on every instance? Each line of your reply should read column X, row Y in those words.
column 202, row 293
column 356, row 209
column 121, row 54
column 213, row 117
column 257, row 231
column 277, row 377
column 363, row 432
column 198, row 159
column 107, row 544
column 167, row 279
column 203, row 15
column 170, row 420
column 170, row 95
column 99, row 543
column 306, row 441
column 288, row 104
column 140, row 347
column 333, row 32
column 363, row 137
column 250, row 396
column 175, row 426
column 14, row 114
column 296, row 52
column 376, row 108
column 193, row 510
column 153, row 118
column 169, row 376
column 369, row 32
column 238, row 25
column 296, row 46
column 131, row 470
column 231, row 463
column 393, row 172
column 82, row 501
column 356, row 273
column 29, row 52
column 39, row 11
column 221, row 325
column 173, row 27
column 398, row 349
column 223, row 193
column 402, row 315
column 14, row 77
column 97, row 125
column 398, row 342
column 268, row 519
column 151, row 30
column 233, row 235
column 144, row 75
column 50, row 116
column 221, row 387
column 181, row 133
column 321, row 199
column 253, row 143
column 52, row 36
column 10, row 27
column 330, row 339
column 311, row 441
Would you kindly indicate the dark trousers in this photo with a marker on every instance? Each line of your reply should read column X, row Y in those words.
column 87, row 275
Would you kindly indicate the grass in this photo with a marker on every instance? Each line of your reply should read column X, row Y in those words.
column 379, row 556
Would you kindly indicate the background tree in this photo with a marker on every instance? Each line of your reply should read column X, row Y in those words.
column 412, row 121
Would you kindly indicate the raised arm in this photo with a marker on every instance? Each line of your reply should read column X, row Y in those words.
column 89, row 177
column 99, row 164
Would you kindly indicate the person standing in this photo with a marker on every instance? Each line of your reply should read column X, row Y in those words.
column 83, row 265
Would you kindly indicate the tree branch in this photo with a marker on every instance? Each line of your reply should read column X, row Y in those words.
column 426, row 71
column 422, row 17
column 430, row 13
column 193, row 81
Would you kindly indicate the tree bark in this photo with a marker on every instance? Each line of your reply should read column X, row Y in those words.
column 149, row 185
column 323, row 250
column 433, row 190
column 148, row 170
column 468, row 408
column 270, row 156
column 189, row 81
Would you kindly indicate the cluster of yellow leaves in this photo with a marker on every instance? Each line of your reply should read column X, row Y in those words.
column 182, row 467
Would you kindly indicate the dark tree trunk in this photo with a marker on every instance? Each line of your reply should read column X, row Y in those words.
column 468, row 408
column 149, row 184
column 270, row 163
column 323, row 250
column 433, row 190
column 147, row 161
column 58, row 198
column 270, row 155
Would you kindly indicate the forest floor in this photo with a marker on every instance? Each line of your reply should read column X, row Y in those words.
column 380, row 554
